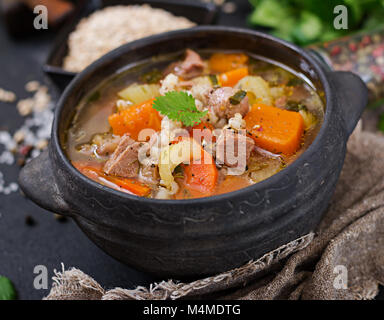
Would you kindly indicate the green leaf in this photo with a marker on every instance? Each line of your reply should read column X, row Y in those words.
column 151, row 77
column 237, row 97
column 270, row 13
column 322, row 9
column 356, row 9
column 308, row 21
column 254, row 2
column 7, row 291
column 309, row 28
column 213, row 79
column 285, row 32
column 381, row 122
column 374, row 19
column 329, row 34
column 179, row 106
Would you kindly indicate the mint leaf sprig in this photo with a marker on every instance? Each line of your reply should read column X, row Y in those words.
column 7, row 290
column 179, row 106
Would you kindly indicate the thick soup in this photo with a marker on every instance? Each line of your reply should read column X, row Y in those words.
column 200, row 125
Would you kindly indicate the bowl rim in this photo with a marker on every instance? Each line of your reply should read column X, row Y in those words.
column 255, row 188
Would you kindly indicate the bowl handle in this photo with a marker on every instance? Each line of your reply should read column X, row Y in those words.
column 352, row 95
column 37, row 181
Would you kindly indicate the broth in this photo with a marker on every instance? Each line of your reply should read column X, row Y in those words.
column 269, row 113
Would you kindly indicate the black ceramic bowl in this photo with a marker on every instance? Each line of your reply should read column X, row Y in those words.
column 182, row 238
column 196, row 11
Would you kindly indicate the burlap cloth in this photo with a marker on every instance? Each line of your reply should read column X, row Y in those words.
column 344, row 259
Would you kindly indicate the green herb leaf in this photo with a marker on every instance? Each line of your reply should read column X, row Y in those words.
column 310, row 21
column 152, row 77
column 308, row 29
column 295, row 106
column 178, row 172
column 270, row 13
column 94, row 97
column 7, row 291
column 179, row 106
column 213, row 79
column 381, row 122
column 237, row 97
column 293, row 82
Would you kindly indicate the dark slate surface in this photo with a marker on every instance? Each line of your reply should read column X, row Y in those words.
column 48, row 242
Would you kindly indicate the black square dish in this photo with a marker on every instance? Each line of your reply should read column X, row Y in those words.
column 196, row 11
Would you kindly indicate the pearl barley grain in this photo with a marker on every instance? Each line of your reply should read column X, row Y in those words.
column 41, row 144
column 7, row 96
column 32, row 137
column 229, row 7
column 25, row 107
column 32, row 86
column 19, row 136
column 107, row 29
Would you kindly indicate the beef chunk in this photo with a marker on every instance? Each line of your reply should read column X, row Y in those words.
column 106, row 143
column 102, row 144
column 299, row 94
column 228, row 146
column 192, row 66
column 124, row 161
column 150, row 173
column 281, row 102
column 219, row 102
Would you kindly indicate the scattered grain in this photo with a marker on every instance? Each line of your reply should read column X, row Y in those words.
column 41, row 99
column 38, row 103
column 42, row 144
column 32, row 86
column 25, row 106
column 7, row 96
column 218, row 2
column 32, row 137
column 229, row 7
column 7, row 189
column 19, row 136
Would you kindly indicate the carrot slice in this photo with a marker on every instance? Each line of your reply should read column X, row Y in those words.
column 134, row 119
column 131, row 185
column 86, row 169
column 97, row 174
column 231, row 78
column 273, row 129
column 223, row 62
column 200, row 179
column 206, row 131
column 232, row 183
